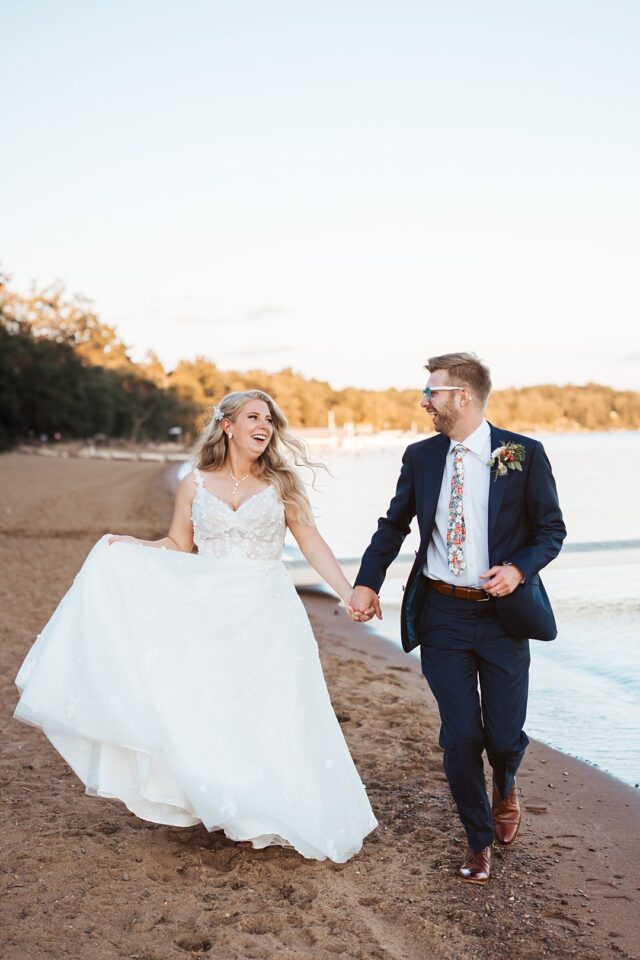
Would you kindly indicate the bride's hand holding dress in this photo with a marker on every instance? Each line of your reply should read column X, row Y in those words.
column 180, row 535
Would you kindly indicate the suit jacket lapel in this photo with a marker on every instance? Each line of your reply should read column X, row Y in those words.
column 433, row 472
column 496, row 487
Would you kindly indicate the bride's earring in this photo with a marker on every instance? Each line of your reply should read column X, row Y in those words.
column 230, row 435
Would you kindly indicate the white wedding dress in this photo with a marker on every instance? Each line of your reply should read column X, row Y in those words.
column 190, row 687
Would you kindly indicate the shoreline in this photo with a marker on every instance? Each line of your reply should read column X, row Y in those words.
column 318, row 438
column 582, row 822
column 83, row 876
column 389, row 631
column 390, row 650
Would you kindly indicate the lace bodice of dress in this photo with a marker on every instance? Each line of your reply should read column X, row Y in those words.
column 255, row 531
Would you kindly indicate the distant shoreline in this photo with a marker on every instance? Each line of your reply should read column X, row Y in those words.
column 317, row 438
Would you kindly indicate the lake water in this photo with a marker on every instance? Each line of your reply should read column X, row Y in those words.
column 585, row 686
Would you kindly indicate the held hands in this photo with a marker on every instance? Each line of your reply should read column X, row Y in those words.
column 502, row 580
column 363, row 605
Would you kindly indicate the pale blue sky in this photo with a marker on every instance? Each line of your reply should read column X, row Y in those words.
column 344, row 188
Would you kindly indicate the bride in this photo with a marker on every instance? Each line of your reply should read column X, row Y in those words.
column 190, row 686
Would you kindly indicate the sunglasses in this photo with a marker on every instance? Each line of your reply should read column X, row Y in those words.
column 429, row 391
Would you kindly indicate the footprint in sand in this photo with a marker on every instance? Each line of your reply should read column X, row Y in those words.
column 293, row 934
column 224, row 860
column 194, row 944
column 107, row 828
column 298, row 896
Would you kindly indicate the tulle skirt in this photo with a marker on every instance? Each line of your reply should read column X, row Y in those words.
column 191, row 689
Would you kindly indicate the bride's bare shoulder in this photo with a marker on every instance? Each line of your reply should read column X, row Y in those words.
column 211, row 470
column 193, row 479
column 189, row 484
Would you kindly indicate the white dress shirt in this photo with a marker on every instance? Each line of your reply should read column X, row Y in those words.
column 475, row 500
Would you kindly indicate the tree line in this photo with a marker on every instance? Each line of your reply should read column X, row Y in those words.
column 63, row 372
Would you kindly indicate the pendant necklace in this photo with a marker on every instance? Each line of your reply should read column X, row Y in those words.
column 237, row 481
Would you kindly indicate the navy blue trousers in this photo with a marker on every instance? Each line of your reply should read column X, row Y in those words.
column 479, row 676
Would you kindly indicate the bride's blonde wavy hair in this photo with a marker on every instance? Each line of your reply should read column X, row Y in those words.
column 276, row 463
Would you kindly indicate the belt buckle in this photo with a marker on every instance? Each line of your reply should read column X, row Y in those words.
column 456, row 589
column 471, row 589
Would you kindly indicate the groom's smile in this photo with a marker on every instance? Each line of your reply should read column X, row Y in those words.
column 443, row 417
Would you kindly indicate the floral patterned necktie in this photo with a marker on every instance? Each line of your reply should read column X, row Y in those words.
column 456, row 529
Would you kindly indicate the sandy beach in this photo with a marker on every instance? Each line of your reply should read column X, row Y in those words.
column 83, row 878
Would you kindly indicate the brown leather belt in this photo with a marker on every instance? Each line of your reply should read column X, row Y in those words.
column 460, row 593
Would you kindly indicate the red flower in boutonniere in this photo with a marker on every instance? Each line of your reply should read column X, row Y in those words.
column 510, row 456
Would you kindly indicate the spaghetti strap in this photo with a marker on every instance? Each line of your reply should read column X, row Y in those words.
column 198, row 477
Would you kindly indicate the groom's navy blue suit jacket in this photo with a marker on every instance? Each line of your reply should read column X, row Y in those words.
column 525, row 528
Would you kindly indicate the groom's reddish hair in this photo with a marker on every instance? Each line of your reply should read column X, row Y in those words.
column 467, row 369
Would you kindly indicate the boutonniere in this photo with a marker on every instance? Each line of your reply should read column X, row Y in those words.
column 510, row 456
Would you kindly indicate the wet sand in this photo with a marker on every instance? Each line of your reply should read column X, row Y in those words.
column 82, row 877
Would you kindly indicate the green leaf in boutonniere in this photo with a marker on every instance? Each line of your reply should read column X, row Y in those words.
column 509, row 456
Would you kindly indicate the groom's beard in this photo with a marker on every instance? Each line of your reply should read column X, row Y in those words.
column 445, row 419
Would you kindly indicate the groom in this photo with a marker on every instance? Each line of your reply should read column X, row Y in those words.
column 474, row 596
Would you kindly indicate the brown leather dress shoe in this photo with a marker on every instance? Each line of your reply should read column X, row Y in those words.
column 506, row 816
column 477, row 866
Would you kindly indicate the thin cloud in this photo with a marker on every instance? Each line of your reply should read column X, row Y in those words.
column 194, row 321
column 263, row 313
column 252, row 316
